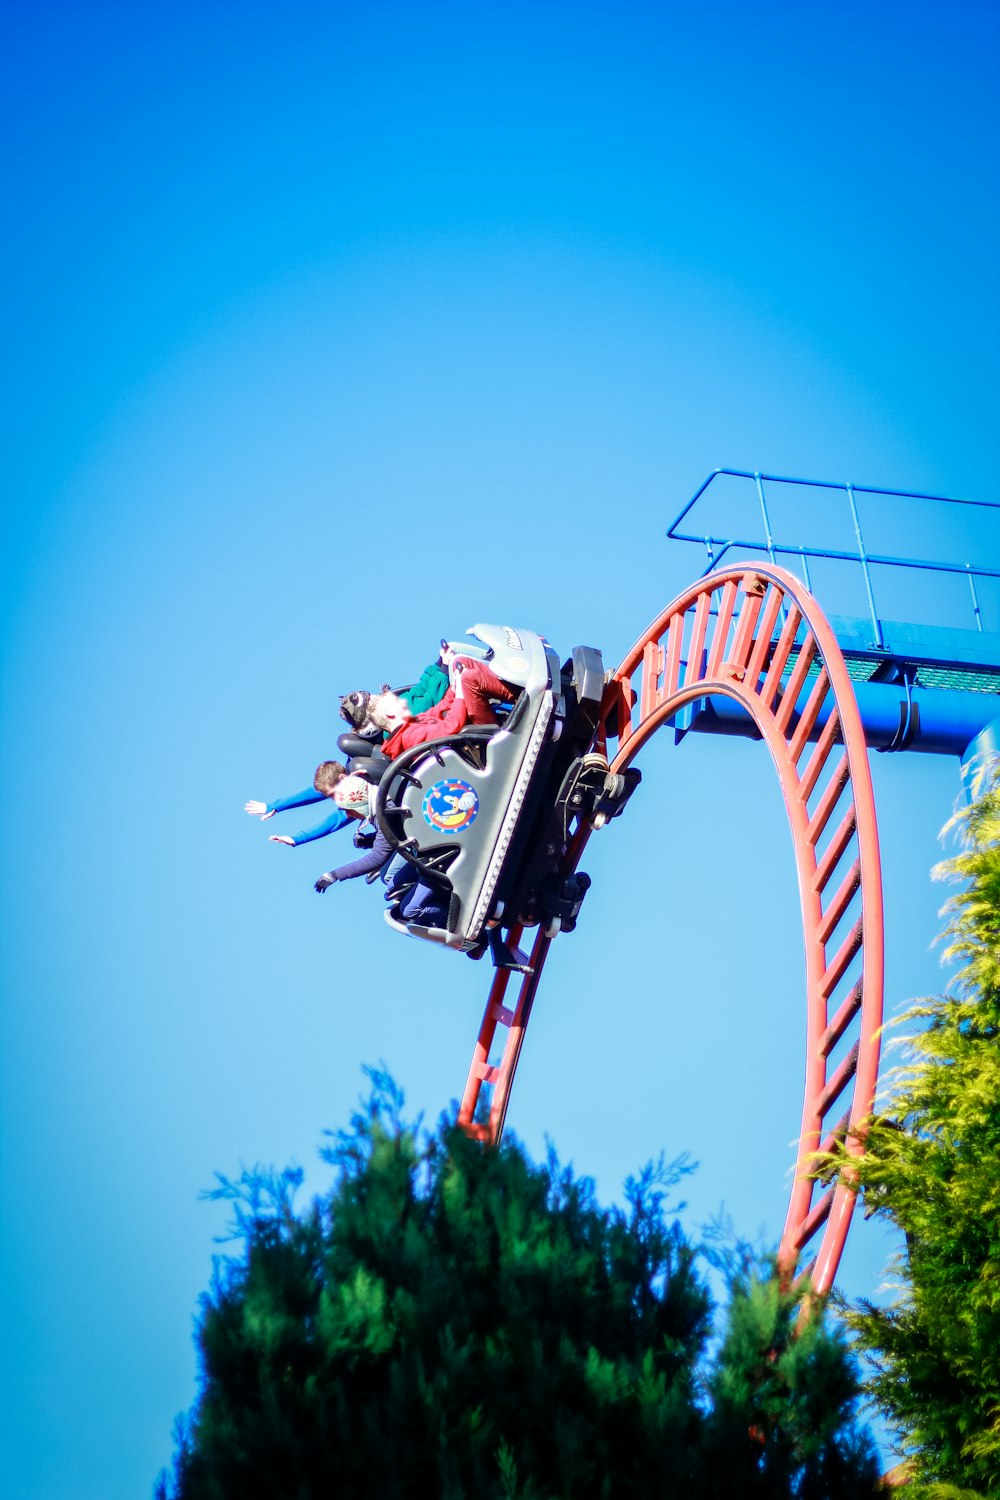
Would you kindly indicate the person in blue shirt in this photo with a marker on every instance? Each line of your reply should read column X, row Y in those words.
column 324, row 784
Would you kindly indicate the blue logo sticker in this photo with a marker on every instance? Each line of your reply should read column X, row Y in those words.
column 451, row 806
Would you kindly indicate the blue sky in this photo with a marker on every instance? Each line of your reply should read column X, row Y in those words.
column 333, row 329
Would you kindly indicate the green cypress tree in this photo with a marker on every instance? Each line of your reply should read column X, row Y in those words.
column 932, row 1167
column 452, row 1322
column 784, row 1390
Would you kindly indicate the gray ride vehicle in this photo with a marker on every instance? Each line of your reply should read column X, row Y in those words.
column 486, row 815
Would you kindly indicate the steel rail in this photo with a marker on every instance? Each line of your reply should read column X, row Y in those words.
column 751, row 633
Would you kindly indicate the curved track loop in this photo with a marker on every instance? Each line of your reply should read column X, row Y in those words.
column 755, row 634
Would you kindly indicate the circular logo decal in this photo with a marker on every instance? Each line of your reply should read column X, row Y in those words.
column 450, row 806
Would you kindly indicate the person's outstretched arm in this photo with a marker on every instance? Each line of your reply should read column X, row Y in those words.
column 337, row 819
column 261, row 810
column 265, row 810
column 373, row 859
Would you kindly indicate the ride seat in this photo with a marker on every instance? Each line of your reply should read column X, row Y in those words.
column 364, row 756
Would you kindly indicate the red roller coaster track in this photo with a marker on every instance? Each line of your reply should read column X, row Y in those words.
column 756, row 635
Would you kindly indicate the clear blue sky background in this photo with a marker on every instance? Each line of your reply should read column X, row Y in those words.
column 334, row 328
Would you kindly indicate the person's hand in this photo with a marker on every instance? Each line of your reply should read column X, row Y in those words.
column 459, row 685
column 324, row 882
column 281, row 838
column 258, row 810
column 447, row 654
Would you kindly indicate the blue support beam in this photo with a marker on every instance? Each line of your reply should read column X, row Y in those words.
column 934, row 721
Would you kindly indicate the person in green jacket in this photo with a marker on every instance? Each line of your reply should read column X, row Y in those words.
column 429, row 688
column 425, row 693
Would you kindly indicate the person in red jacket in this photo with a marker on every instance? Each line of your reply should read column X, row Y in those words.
column 466, row 702
column 480, row 684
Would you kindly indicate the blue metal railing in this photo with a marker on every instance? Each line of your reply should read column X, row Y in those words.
column 865, row 559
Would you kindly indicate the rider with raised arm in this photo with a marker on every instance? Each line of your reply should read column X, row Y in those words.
column 325, row 781
column 466, row 702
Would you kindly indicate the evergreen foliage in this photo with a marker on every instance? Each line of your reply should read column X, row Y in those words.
column 932, row 1166
column 782, row 1398
column 452, row 1322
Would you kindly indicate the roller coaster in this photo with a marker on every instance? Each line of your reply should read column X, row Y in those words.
column 746, row 649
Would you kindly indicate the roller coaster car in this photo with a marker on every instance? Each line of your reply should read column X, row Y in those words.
column 486, row 815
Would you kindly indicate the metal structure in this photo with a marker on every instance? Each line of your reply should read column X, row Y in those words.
column 747, row 650
column 919, row 686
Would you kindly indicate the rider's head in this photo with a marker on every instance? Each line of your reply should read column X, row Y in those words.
column 352, row 794
column 328, row 775
column 389, row 712
column 356, row 709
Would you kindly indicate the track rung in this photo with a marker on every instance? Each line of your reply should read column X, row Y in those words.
column 837, row 1135
column 652, row 666
column 816, row 1216
column 780, row 655
column 805, row 1274
column 809, row 715
column 818, row 759
column 828, row 801
column 845, row 1015
column 754, row 587
column 720, row 637
column 502, row 1015
column 796, row 682
column 835, row 971
column 696, row 650
column 487, row 1072
column 836, row 847
column 846, row 892
column 672, row 655
column 765, row 631
column 839, row 1081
